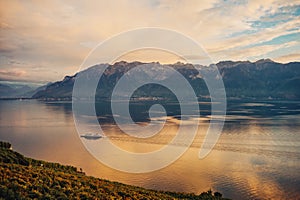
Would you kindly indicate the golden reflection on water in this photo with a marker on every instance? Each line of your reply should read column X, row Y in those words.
column 249, row 161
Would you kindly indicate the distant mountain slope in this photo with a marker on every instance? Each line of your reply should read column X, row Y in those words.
column 5, row 90
column 26, row 178
column 260, row 79
column 8, row 91
column 34, row 91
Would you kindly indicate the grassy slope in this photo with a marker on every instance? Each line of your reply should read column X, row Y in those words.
column 26, row 178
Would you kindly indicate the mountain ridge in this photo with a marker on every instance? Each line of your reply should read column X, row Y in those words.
column 242, row 79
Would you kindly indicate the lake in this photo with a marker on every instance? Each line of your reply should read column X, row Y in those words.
column 256, row 157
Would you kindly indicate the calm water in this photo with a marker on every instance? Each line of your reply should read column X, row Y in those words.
column 256, row 157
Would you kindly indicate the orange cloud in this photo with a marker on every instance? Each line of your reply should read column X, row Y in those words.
column 14, row 74
column 57, row 34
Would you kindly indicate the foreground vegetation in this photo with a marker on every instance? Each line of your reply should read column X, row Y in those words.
column 26, row 178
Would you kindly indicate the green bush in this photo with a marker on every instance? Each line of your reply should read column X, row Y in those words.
column 5, row 145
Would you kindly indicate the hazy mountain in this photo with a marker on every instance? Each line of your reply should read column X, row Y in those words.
column 5, row 90
column 242, row 79
column 14, row 91
column 34, row 91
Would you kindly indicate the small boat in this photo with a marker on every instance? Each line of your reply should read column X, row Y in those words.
column 91, row 136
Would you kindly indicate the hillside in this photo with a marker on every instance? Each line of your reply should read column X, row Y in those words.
column 261, row 79
column 26, row 178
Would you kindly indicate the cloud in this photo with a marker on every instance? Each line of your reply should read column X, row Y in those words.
column 12, row 74
column 53, row 35
column 148, row 55
column 288, row 58
column 257, row 37
column 255, row 52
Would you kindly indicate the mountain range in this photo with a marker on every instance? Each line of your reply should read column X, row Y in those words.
column 19, row 90
column 263, row 79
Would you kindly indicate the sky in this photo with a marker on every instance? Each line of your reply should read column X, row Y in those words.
column 42, row 41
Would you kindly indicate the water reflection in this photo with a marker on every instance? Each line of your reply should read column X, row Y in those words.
column 257, row 156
